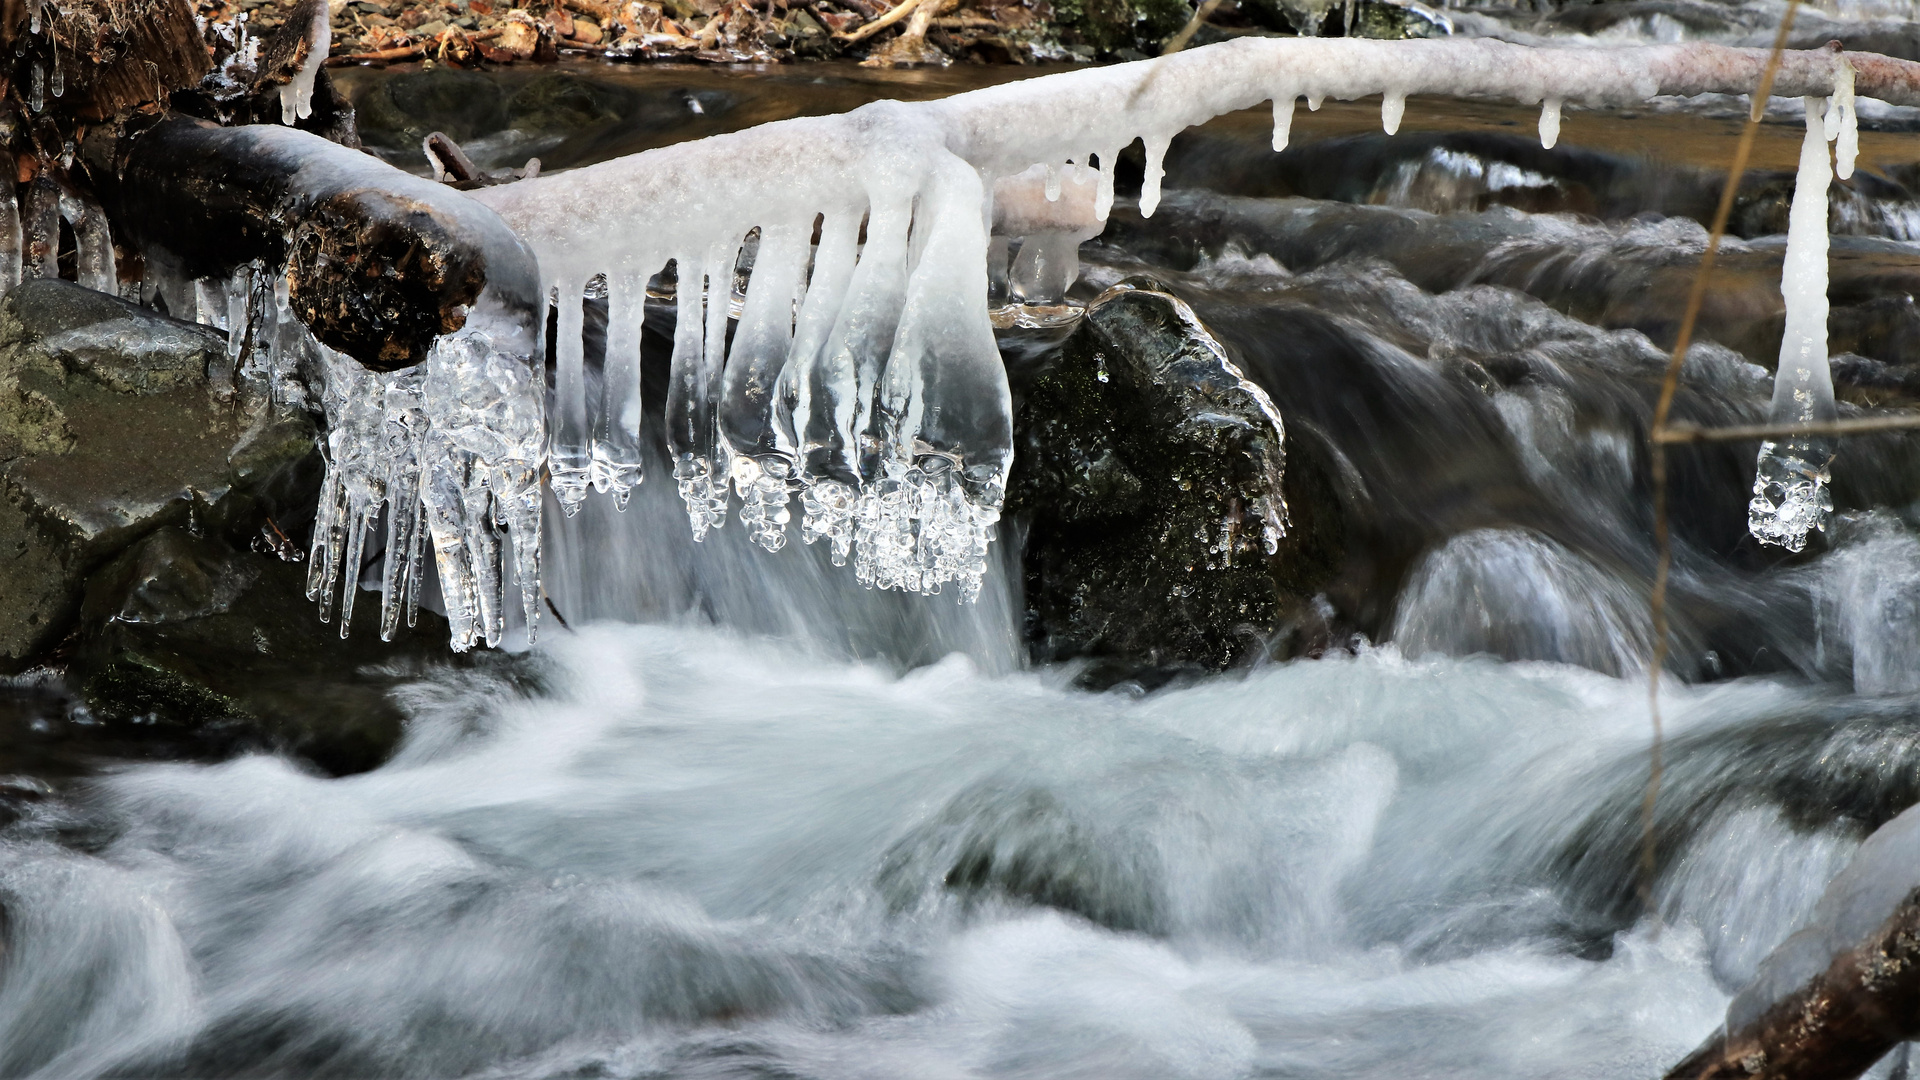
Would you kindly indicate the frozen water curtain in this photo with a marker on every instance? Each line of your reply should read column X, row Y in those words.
column 860, row 385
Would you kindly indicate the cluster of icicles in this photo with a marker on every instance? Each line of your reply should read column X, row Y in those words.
column 862, row 377
column 862, row 380
column 446, row 453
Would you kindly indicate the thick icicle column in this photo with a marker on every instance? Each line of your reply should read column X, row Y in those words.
column 1790, row 493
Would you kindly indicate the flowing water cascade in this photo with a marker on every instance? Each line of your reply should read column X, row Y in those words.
column 746, row 818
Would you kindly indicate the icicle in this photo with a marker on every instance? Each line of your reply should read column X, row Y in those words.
column 1393, row 106
column 1550, row 122
column 570, row 457
column 37, row 89
column 1314, row 100
column 693, row 384
column 42, row 225
column 859, row 344
column 1843, row 125
column 617, row 450
column 93, row 242
column 239, row 320
column 1053, row 183
column 1103, row 194
column 1156, row 148
column 816, row 384
column 1283, row 119
column 1790, row 493
column 484, row 444
column 406, row 430
column 1048, row 264
column 355, row 481
column 760, row 440
column 10, row 242
column 210, row 303
column 296, row 96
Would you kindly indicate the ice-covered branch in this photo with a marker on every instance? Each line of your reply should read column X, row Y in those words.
column 379, row 263
column 864, row 374
column 414, row 313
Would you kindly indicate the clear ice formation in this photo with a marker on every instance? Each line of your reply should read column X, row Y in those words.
column 1791, row 492
column 438, row 463
column 863, row 377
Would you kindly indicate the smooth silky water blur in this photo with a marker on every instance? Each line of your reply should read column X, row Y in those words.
column 747, row 819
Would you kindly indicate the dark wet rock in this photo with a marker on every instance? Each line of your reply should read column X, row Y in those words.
column 1846, row 767
column 100, row 446
column 1109, row 26
column 1146, row 479
column 191, row 642
column 400, row 111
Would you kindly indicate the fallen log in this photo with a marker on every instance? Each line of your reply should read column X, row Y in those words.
column 379, row 262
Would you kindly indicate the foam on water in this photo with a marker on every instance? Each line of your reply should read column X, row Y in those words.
column 696, row 854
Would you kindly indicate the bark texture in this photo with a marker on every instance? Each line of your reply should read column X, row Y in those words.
column 1836, row 1026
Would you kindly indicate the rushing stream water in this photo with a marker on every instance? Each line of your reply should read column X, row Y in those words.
column 747, row 819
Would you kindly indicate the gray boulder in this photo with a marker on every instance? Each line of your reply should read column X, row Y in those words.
column 1151, row 478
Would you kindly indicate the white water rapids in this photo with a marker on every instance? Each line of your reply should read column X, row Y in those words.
column 676, row 850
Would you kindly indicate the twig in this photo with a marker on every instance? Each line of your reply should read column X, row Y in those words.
column 904, row 9
column 1676, row 434
column 1662, row 531
column 561, row 619
column 966, row 22
column 1179, row 40
column 453, row 161
column 402, row 52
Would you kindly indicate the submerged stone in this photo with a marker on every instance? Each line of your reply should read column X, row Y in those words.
column 101, row 445
column 215, row 648
column 1149, row 478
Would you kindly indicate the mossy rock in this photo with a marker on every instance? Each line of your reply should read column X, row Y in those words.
column 1110, row 26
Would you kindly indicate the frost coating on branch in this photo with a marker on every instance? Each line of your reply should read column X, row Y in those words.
column 863, row 375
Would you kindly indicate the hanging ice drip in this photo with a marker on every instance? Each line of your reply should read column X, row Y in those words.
column 862, row 376
column 451, row 450
column 1791, row 493
column 445, row 455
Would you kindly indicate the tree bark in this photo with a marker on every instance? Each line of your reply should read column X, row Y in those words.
column 1836, row 1026
column 379, row 262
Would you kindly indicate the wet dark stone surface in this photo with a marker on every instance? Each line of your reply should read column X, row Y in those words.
column 101, row 444
column 1146, row 469
column 218, row 650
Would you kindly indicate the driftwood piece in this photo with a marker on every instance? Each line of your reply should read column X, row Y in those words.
column 1837, row 1025
column 379, row 262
